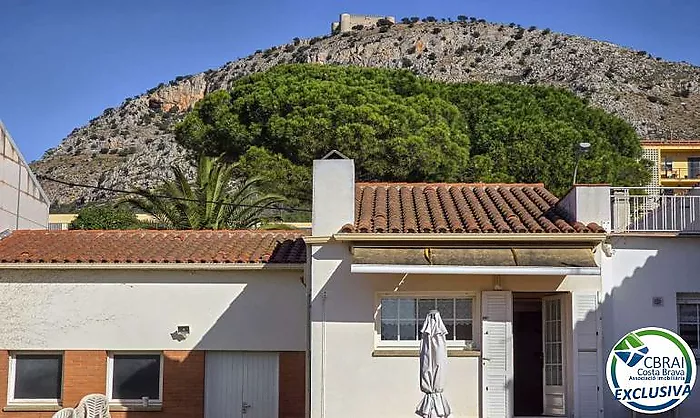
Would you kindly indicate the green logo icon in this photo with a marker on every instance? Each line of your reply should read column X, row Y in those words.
column 651, row 370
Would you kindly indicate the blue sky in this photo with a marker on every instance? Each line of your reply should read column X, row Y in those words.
column 62, row 62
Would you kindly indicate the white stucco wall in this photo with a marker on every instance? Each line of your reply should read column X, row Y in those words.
column 642, row 268
column 137, row 310
column 23, row 204
column 343, row 338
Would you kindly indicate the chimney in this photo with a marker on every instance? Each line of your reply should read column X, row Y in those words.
column 588, row 203
column 333, row 194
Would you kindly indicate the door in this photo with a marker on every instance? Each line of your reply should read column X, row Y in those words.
column 497, row 354
column 554, row 364
column 527, row 357
column 240, row 384
column 588, row 356
column 693, row 167
column 260, row 385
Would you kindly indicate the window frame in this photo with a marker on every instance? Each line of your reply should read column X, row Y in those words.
column 463, row 345
column 12, row 375
column 688, row 299
column 110, row 379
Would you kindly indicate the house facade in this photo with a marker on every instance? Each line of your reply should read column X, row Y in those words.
column 534, row 292
column 514, row 272
column 23, row 203
column 166, row 323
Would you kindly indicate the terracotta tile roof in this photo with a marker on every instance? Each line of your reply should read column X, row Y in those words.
column 147, row 246
column 459, row 208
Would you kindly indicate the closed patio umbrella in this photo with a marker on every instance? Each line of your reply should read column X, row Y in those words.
column 433, row 362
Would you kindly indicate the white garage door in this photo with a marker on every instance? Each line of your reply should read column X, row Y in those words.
column 241, row 385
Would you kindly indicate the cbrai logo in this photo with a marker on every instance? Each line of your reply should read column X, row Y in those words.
column 651, row 370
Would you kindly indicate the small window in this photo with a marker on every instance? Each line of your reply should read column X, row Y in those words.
column 35, row 378
column 133, row 377
column 689, row 320
column 401, row 318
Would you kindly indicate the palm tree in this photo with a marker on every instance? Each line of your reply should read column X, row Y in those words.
column 211, row 201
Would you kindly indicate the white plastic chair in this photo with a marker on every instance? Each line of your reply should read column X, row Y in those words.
column 93, row 406
column 64, row 413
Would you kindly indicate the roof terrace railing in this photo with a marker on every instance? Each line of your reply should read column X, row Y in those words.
column 655, row 209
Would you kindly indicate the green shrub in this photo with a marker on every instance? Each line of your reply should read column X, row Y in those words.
column 105, row 217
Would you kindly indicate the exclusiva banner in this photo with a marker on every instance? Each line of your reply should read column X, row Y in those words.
column 651, row 370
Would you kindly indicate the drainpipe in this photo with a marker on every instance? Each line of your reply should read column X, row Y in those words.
column 323, row 354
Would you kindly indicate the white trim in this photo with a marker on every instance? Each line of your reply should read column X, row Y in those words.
column 133, row 402
column 11, row 375
column 475, row 270
column 412, row 345
column 152, row 266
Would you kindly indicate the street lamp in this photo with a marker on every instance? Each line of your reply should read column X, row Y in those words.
column 583, row 148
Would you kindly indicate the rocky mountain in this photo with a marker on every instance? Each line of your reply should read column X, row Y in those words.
column 133, row 145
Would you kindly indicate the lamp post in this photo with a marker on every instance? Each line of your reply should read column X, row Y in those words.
column 583, row 147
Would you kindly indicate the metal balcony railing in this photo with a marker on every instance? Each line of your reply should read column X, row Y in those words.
column 655, row 209
column 680, row 174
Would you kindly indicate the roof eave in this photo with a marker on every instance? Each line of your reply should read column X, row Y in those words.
column 467, row 237
column 155, row 266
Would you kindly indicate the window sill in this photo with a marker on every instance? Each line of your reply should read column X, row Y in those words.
column 153, row 407
column 30, row 407
column 403, row 352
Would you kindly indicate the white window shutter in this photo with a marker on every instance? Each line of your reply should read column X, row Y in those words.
column 588, row 355
column 497, row 354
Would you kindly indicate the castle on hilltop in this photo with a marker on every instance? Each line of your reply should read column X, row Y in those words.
column 348, row 21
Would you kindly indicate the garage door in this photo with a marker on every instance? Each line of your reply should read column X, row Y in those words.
column 241, row 385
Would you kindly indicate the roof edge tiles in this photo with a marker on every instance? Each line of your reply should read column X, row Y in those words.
column 458, row 208
column 149, row 247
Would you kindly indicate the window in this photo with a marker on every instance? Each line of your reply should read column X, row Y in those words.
column 689, row 320
column 132, row 377
column 401, row 318
column 35, row 378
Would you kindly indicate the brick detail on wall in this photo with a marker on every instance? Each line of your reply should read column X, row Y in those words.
column 292, row 384
column 85, row 372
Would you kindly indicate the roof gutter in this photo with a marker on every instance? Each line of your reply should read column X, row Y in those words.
column 475, row 270
column 470, row 237
column 155, row 266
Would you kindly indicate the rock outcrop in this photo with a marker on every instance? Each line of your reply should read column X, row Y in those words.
column 133, row 145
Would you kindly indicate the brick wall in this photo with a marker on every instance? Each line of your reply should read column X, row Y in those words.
column 292, row 387
column 85, row 372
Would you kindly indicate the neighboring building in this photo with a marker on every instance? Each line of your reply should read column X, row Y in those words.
column 675, row 163
column 203, row 323
column 348, row 21
column 23, row 203
column 62, row 221
column 513, row 271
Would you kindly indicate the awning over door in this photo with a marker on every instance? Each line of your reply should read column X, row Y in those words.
column 502, row 261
